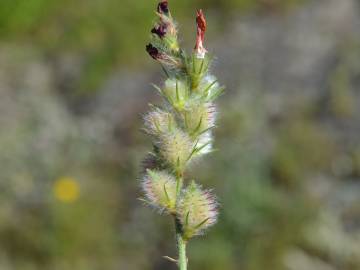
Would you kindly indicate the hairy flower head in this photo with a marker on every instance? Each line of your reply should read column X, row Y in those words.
column 197, row 210
column 158, row 122
column 199, row 117
column 176, row 92
column 160, row 190
column 176, row 148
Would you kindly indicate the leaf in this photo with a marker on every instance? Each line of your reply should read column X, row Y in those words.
column 201, row 66
column 206, row 91
column 165, row 71
column 206, row 130
column 177, row 91
column 203, row 146
column 187, row 218
column 217, row 93
column 144, row 201
column 197, row 127
column 166, row 194
column 201, row 223
column 193, row 151
column 158, row 89
column 178, row 163
column 186, row 120
column 169, row 122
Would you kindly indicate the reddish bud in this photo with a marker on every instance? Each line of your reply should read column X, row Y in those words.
column 200, row 34
column 200, row 21
column 163, row 7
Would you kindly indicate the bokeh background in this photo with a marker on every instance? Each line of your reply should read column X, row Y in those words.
column 74, row 81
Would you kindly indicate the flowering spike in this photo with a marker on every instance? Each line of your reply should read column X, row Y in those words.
column 197, row 210
column 181, row 129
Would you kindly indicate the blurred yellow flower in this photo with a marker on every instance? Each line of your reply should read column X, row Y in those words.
column 66, row 189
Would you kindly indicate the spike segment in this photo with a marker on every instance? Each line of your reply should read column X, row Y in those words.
column 176, row 149
column 160, row 190
column 159, row 122
column 197, row 210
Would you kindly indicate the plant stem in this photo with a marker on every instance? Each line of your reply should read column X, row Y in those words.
column 181, row 245
column 179, row 183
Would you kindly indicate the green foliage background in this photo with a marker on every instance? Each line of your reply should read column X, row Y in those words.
column 107, row 32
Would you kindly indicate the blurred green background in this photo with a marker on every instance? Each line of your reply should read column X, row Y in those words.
column 74, row 81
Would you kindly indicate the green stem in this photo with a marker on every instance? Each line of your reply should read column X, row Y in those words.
column 181, row 244
column 179, row 184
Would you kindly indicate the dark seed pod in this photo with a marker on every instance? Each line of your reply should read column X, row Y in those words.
column 160, row 30
column 152, row 51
